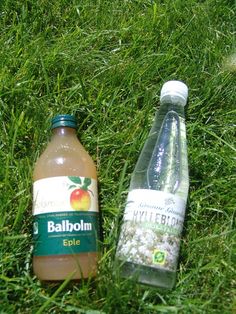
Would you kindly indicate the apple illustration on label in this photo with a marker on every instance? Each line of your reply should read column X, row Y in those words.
column 80, row 198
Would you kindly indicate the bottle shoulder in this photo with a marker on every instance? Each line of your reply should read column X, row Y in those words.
column 64, row 159
column 162, row 164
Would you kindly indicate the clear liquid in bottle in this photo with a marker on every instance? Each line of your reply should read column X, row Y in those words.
column 149, row 241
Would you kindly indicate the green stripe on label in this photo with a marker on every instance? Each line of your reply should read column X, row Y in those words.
column 65, row 233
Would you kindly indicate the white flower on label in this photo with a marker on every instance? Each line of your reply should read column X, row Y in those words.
column 139, row 243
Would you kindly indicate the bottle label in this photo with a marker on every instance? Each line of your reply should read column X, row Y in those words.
column 151, row 229
column 65, row 213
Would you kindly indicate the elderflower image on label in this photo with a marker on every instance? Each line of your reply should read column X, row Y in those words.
column 151, row 230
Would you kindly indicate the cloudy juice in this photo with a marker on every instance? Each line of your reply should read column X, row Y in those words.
column 65, row 207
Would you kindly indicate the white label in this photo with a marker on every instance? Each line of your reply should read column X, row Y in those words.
column 62, row 194
column 155, row 207
column 150, row 234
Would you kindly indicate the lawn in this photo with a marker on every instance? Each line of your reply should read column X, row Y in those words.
column 105, row 61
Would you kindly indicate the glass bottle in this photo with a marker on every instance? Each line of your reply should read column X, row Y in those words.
column 65, row 207
column 149, row 241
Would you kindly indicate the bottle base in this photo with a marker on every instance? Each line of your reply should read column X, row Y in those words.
column 148, row 275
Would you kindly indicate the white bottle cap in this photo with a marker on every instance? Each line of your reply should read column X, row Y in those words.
column 174, row 90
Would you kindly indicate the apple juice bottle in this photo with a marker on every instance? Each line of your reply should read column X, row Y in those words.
column 65, row 207
column 149, row 241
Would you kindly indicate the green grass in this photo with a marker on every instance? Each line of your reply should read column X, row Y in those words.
column 105, row 62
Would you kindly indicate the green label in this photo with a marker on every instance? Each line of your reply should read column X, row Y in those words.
column 65, row 233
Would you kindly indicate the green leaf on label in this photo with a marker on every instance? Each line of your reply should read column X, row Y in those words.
column 72, row 186
column 87, row 182
column 76, row 180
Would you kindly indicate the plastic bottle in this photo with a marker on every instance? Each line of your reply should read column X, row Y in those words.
column 148, row 245
column 65, row 207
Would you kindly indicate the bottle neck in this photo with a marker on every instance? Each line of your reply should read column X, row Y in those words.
column 174, row 99
column 176, row 106
column 63, row 131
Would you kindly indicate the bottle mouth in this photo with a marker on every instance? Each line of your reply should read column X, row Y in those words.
column 65, row 120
